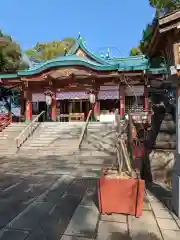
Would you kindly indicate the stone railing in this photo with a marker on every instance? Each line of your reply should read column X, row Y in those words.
column 27, row 132
column 84, row 129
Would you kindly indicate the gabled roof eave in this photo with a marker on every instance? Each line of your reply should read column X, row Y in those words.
column 79, row 44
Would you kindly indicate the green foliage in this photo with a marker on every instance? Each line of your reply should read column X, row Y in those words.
column 9, row 97
column 164, row 6
column 135, row 51
column 146, row 36
column 10, row 55
column 48, row 51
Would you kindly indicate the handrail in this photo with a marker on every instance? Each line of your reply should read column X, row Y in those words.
column 27, row 131
column 84, row 129
column 4, row 123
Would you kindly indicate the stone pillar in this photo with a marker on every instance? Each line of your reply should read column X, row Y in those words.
column 146, row 104
column 28, row 97
column 176, row 169
column 54, row 108
column 122, row 101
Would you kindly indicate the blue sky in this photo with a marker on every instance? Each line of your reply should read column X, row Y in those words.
column 102, row 23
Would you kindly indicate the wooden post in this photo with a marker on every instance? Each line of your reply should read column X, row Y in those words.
column 96, row 105
column 22, row 104
column 54, row 108
column 28, row 97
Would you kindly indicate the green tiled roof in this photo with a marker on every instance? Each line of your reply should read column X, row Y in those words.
column 94, row 62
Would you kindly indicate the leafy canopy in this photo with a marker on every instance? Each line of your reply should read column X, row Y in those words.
column 50, row 50
column 135, row 51
column 10, row 55
column 162, row 7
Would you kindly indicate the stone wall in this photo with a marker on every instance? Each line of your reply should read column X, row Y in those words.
column 161, row 165
column 161, row 141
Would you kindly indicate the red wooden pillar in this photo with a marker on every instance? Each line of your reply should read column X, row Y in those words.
column 10, row 115
column 22, row 104
column 54, row 108
column 96, row 105
column 146, row 105
column 28, row 97
column 122, row 100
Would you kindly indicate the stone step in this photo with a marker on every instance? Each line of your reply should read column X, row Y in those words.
column 59, row 128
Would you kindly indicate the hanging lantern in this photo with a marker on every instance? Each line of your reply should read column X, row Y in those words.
column 92, row 98
column 48, row 99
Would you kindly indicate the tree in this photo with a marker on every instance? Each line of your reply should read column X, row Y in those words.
column 135, row 51
column 48, row 51
column 10, row 55
column 146, row 36
column 164, row 6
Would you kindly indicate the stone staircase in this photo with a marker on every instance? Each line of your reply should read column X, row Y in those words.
column 62, row 139
column 7, row 138
column 53, row 138
column 99, row 144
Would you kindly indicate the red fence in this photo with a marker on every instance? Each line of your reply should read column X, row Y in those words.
column 4, row 121
column 138, row 127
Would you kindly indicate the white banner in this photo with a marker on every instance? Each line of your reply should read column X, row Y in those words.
column 71, row 95
column 134, row 90
column 38, row 97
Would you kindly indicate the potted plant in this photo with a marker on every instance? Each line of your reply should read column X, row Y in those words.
column 120, row 189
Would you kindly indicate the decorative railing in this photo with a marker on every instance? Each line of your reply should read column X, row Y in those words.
column 84, row 129
column 27, row 132
column 4, row 121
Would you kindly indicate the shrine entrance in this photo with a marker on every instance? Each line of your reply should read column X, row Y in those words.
column 79, row 106
column 73, row 109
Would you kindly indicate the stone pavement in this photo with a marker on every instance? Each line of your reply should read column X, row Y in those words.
column 55, row 198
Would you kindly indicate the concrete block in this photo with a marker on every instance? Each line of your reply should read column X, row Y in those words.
column 28, row 219
column 112, row 230
column 8, row 234
column 120, row 218
column 167, row 224
column 171, row 234
column 83, row 222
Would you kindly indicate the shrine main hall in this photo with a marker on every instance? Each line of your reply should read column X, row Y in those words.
column 62, row 87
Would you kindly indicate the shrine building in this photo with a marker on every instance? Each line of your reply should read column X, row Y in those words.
column 117, row 83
